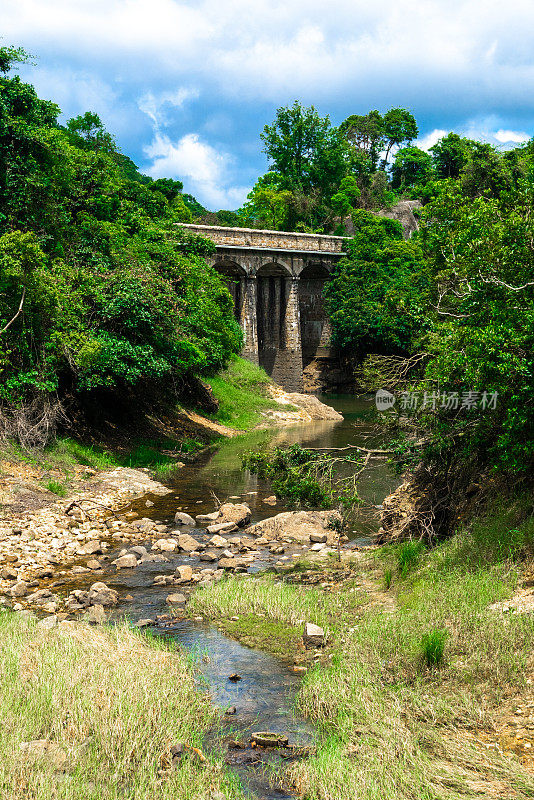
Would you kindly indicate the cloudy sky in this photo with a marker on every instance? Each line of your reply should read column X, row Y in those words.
column 186, row 87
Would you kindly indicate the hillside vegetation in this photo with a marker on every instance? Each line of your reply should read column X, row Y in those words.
column 100, row 296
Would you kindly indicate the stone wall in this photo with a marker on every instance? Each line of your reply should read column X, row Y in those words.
column 278, row 240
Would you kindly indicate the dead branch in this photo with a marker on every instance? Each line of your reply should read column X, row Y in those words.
column 351, row 447
column 12, row 320
column 77, row 504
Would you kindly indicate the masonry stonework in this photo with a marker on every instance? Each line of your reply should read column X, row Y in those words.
column 276, row 279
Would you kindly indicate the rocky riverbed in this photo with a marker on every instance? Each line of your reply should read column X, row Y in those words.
column 56, row 560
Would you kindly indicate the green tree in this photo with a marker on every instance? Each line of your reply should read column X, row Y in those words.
column 268, row 205
column 366, row 133
column 450, row 155
column 310, row 158
column 411, row 167
column 399, row 127
column 98, row 287
column 378, row 296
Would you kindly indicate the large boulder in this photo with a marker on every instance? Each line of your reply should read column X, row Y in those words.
column 187, row 543
column 238, row 513
column 299, row 526
column 90, row 548
column 181, row 518
column 102, row 595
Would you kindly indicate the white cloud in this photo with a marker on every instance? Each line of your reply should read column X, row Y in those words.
column 203, row 169
column 428, row 141
column 514, row 137
column 449, row 61
column 153, row 105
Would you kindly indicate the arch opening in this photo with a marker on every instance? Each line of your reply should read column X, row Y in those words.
column 272, row 294
column 314, row 323
column 234, row 276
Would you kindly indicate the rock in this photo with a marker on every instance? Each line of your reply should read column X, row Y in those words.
column 20, row 589
column 269, row 739
column 234, row 677
column 93, row 564
column 202, row 519
column 41, row 597
column 144, row 623
column 238, row 513
column 96, row 615
column 139, row 550
column 125, row 562
column 181, row 518
column 218, row 541
column 77, row 600
column 222, row 527
column 313, row 635
column 230, row 711
column 318, row 538
column 176, row 599
column 297, row 526
column 47, row 623
column 237, row 564
column 184, row 573
column 187, row 543
column 43, row 750
column 270, row 501
column 100, row 594
column 166, row 545
column 316, row 548
column 90, row 548
column 9, row 574
column 208, row 555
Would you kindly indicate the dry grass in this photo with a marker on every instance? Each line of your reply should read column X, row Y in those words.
column 114, row 702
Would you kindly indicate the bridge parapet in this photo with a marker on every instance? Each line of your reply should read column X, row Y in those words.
column 255, row 239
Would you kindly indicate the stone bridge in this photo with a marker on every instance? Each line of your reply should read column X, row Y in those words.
column 276, row 279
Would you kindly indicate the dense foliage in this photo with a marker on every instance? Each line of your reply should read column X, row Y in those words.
column 97, row 286
column 378, row 295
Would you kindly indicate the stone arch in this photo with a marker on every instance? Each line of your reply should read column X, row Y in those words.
column 235, row 278
column 314, row 324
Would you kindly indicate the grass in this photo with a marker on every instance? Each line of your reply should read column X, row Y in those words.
column 272, row 636
column 241, row 392
column 115, row 702
column 408, row 556
column 56, row 488
column 389, row 727
column 433, row 647
column 388, row 578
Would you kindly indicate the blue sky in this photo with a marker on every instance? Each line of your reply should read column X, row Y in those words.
column 186, row 87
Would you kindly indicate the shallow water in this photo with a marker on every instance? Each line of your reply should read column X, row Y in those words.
column 264, row 697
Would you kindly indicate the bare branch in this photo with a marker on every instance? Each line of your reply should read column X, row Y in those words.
column 12, row 320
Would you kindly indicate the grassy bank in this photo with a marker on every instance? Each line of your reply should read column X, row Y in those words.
column 242, row 394
column 112, row 703
column 406, row 706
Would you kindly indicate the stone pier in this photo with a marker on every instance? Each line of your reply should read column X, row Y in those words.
column 276, row 279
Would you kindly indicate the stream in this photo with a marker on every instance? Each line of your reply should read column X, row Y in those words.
column 264, row 697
